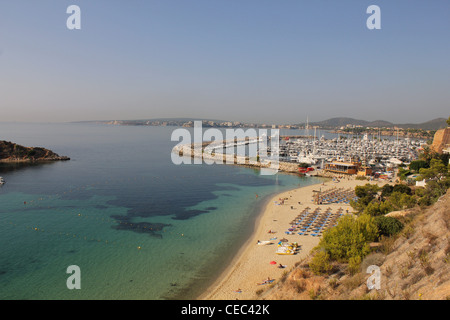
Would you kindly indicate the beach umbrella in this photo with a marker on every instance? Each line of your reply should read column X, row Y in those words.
column 273, row 262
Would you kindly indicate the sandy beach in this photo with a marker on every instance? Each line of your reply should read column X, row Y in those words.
column 252, row 265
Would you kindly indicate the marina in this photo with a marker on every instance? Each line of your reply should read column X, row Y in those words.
column 350, row 155
column 312, row 156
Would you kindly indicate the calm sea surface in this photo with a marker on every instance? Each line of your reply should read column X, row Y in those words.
column 138, row 226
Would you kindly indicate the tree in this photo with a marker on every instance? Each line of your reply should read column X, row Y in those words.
column 402, row 173
column 402, row 189
column 401, row 201
column 436, row 170
column 349, row 238
column 427, row 154
column 416, row 165
column 368, row 190
column 366, row 194
column 386, row 190
column 448, row 121
column 376, row 208
column 433, row 190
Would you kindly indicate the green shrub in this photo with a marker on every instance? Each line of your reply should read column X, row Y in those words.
column 400, row 201
column 366, row 194
column 31, row 153
column 376, row 208
column 424, row 201
column 386, row 190
column 437, row 170
column 418, row 164
column 354, row 264
column 401, row 188
column 349, row 238
column 320, row 263
column 402, row 173
column 366, row 190
column 388, row 226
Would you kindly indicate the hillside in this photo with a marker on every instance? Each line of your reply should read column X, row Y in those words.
column 11, row 152
column 414, row 265
column 332, row 123
column 434, row 124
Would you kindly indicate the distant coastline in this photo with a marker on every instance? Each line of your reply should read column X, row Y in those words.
column 406, row 129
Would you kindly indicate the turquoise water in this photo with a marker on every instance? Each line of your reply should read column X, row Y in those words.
column 138, row 226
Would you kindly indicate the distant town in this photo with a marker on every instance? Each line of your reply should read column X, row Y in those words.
column 424, row 130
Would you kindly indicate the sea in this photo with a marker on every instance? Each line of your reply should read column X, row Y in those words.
column 137, row 226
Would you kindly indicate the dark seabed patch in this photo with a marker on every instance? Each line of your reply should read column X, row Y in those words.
column 152, row 229
column 100, row 206
column 187, row 214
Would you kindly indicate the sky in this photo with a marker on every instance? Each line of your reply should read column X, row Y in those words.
column 261, row 61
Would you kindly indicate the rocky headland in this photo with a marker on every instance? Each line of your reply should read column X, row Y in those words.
column 11, row 153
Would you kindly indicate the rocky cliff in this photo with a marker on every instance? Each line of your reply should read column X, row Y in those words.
column 441, row 140
column 11, row 152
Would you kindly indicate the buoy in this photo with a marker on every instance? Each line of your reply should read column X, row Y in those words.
column 139, row 248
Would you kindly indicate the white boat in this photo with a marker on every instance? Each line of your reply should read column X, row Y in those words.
column 2, row 181
column 395, row 161
column 308, row 159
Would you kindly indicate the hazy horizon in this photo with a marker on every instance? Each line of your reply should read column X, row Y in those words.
column 237, row 60
column 311, row 121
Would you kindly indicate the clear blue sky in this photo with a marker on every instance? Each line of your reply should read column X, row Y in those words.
column 276, row 61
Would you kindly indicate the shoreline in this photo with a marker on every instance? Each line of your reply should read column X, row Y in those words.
column 7, row 161
column 251, row 264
